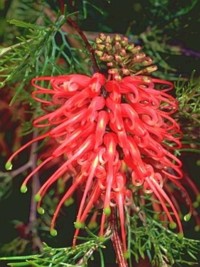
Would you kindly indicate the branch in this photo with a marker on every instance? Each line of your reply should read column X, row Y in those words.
column 87, row 44
column 117, row 244
column 32, row 162
column 35, row 187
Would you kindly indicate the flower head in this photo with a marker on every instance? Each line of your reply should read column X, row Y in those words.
column 115, row 136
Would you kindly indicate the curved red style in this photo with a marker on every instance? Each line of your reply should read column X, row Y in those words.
column 115, row 136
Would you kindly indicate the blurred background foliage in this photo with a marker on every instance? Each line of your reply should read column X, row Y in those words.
column 35, row 40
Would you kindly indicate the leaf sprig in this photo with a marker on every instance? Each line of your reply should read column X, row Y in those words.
column 35, row 54
column 70, row 256
column 188, row 96
column 162, row 246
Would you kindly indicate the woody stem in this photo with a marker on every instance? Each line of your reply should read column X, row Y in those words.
column 117, row 244
column 74, row 25
column 87, row 44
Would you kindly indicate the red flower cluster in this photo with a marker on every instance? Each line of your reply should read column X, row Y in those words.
column 115, row 135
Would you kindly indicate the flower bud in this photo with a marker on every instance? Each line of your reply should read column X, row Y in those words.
column 122, row 52
column 102, row 36
column 151, row 68
column 99, row 53
column 135, row 49
column 118, row 58
column 125, row 71
column 110, row 64
column 124, row 41
column 108, row 39
column 98, row 41
column 100, row 46
column 117, row 38
column 130, row 47
column 118, row 46
column 113, row 71
column 108, row 47
column 139, row 56
column 147, row 61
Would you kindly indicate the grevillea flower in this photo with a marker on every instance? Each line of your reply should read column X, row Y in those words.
column 115, row 136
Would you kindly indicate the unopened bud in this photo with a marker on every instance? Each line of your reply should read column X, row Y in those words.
column 122, row 52
column 102, row 36
column 118, row 58
column 98, row 41
column 151, row 68
column 99, row 53
column 135, row 49
column 124, row 42
column 117, row 77
column 113, row 71
column 148, row 61
column 139, row 56
column 110, row 64
column 147, row 79
column 117, row 38
column 106, row 58
column 130, row 47
column 108, row 39
column 108, row 47
column 125, row 71
column 118, row 46
column 100, row 46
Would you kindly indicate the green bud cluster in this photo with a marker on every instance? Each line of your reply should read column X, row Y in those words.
column 121, row 57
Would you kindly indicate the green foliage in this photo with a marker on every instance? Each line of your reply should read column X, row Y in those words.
column 56, row 257
column 157, row 48
column 38, row 53
column 5, row 185
column 24, row 10
column 188, row 96
column 16, row 247
column 163, row 9
column 162, row 246
column 20, row 62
